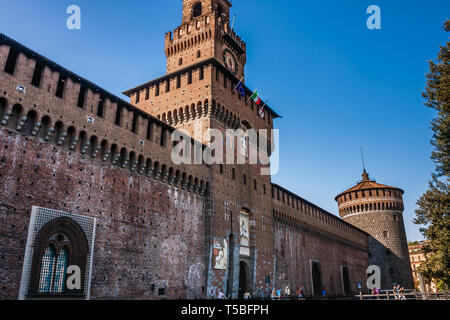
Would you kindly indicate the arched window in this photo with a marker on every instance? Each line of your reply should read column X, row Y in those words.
column 60, row 243
column 197, row 10
column 180, row 62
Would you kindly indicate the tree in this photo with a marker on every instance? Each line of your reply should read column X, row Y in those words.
column 434, row 204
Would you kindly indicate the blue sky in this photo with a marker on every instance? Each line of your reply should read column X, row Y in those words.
column 337, row 84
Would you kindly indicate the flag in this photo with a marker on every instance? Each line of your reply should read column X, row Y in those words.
column 240, row 88
column 255, row 97
column 261, row 111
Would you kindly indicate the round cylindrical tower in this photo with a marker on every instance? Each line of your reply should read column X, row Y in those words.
column 378, row 210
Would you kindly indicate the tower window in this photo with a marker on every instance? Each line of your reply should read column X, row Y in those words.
column 81, row 96
column 138, row 97
column 100, row 107
column 385, row 234
column 189, row 77
column 180, row 62
column 199, row 54
column 135, row 123
column 149, row 130
column 197, row 10
column 37, row 74
column 168, row 85
column 201, row 73
column 118, row 119
column 178, row 81
column 60, row 87
column 11, row 61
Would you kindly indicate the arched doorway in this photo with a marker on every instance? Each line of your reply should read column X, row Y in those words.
column 243, row 279
column 316, row 278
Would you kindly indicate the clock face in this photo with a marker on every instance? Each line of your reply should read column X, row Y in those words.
column 230, row 61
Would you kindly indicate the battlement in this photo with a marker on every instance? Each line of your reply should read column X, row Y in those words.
column 200, row 29
column 42, row 100
column 291, row 208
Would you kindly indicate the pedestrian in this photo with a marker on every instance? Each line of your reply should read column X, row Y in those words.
column 279, row 294
column 222, row 295
column 324, row 293
column 300, row 293
column 287, row 293
column 273, row 296
column 247, row 295
column 402, row 293
column 394, row 291
column 397, row 291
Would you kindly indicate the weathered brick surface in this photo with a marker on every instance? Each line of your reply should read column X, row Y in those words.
column 157, row 221
column 147, row 233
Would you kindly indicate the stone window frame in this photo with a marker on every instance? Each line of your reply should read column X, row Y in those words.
column 77, row 250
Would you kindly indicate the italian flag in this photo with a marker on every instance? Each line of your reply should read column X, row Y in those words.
column 255, row 96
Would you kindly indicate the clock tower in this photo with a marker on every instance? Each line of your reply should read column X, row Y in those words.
column 205, row 62
column 205, row 33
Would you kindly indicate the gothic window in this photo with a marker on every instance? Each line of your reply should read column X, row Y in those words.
column 59, row 243
column 180, row 62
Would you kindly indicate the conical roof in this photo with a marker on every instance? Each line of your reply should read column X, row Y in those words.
column 365, row 184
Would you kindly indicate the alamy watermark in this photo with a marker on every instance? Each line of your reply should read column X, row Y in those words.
column 73, row 22
column 258, row 148
column 374, row 21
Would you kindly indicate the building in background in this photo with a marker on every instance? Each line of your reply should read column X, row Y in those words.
column 417, row 257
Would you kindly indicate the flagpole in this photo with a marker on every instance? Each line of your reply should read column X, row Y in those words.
column 251, row 96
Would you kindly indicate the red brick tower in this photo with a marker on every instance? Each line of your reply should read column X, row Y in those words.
column 205, row 62
column 377, row 209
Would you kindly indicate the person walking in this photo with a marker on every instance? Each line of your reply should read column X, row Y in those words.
column 397, row 292
column 394, row 291
column 324, row 294
column 287, row 293
column 273, row 296
column 402, row 293
column 222, row 295
column 247, row 295
column 300, row 293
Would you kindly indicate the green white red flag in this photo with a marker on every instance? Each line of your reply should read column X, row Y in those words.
column 255, row 97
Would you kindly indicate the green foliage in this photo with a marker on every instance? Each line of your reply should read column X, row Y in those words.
column 434, row 205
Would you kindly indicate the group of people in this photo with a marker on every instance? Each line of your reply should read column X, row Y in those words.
column 280, row 294
column 399, row 292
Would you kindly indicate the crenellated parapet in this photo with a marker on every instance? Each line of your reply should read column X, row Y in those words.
column 299, row 213
column 42, row 100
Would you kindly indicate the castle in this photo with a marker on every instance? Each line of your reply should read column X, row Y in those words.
column 87, row 180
